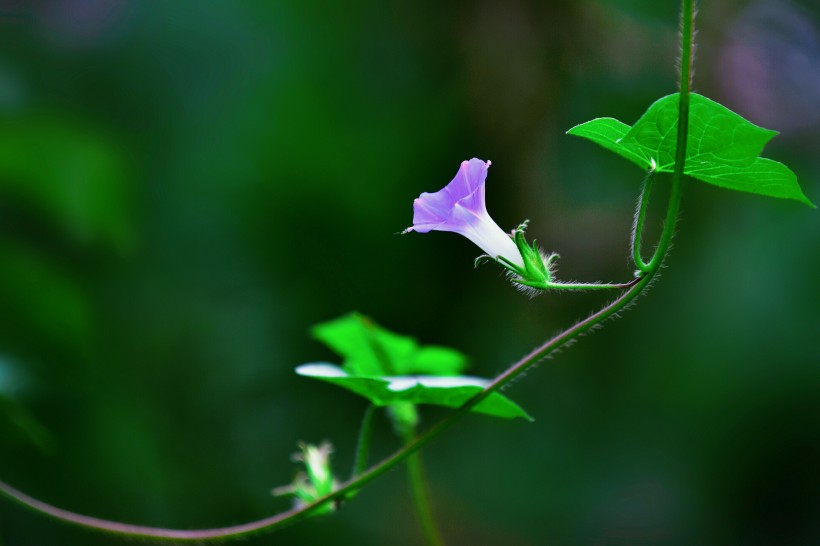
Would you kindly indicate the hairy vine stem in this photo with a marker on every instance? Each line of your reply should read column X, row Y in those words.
column 640, row 218
column 632, row 290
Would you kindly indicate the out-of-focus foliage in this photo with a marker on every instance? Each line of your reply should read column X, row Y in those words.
column 368, row 349
column 186, row 187
column 68, row 176
column 393, row 370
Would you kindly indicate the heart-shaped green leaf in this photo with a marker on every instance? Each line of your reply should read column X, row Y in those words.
column 723, row 148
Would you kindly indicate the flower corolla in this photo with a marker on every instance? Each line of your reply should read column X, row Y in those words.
column 460, row 207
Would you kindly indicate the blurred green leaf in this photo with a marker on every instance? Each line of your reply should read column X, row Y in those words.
column 418, row 389
column 70, row 173
column 388, row 368
column 22, row 424
column 42, row 298
column 722, row 149
column 368, row 349
column 16, row 421
column 434, row 360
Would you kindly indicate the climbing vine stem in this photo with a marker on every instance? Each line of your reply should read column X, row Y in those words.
column 631, row 291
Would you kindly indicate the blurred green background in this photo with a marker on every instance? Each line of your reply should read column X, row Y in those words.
column 186, row 187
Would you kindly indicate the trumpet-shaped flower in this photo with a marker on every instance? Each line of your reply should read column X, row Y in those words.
column 460, row 207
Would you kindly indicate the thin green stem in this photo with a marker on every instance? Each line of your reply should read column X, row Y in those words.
column 421, row 495
column 640, row 218
column 620, row 303
column 363, row 445
column 587, row 286
column 542, row 280
column 687, row 34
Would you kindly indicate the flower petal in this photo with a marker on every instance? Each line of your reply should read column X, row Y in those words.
column 432, row 210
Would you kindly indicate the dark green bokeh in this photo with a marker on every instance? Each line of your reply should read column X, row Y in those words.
column 187, row 187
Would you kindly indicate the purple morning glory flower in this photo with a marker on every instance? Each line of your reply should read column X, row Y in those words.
column 460, row 207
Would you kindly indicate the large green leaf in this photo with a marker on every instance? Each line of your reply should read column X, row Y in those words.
column 389, row 369
column 418, row 389
column 369, row 349
column 723, row 148
column 716, row 135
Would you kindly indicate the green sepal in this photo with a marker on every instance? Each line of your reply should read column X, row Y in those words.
column 536, row 272
column 484, row 259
